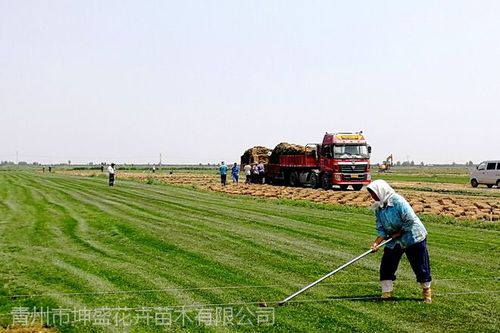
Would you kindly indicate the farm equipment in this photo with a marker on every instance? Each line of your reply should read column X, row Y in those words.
column 332, row 272
column 341, row 159
column 386, row 165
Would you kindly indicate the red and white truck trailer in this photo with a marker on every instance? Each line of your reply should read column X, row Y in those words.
column 342, row 159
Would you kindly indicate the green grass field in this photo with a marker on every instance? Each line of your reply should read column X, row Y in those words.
column 75, row 244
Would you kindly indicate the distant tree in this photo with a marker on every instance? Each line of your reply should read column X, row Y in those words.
column 22, row 163
column 422, row 163
column 453, row 163
column 412, row 163
column 69, row 162
column 398, row 163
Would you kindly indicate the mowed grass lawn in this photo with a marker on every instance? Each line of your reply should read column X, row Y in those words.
column 149, row 258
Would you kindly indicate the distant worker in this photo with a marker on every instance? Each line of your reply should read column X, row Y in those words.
column 43, row 169
column 102, row 167
column 50, row 168
column 260, row 168
column 255, row 173
column 111, row 173
column 235, row 173
column 248, row 173
column 223, row 173
column 396, row 219
column 154, row 169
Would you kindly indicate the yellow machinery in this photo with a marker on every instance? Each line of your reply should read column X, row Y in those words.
column 386, row 165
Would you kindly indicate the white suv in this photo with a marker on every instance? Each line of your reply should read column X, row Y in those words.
column 487, row 173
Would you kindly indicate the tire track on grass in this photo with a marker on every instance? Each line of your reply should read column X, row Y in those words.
column 129, row 231
column 75, row 287
column 346, row 257
column 189, row 213
column 184, row 206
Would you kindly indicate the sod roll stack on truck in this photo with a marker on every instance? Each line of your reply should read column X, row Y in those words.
column 342, row 159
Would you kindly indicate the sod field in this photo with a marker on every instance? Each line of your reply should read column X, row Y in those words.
column 156, row 257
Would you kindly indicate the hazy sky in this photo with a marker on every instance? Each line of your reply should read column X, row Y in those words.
column 201, row 81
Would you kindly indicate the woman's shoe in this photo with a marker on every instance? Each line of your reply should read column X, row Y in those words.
column 386, row 295
column 427, row 294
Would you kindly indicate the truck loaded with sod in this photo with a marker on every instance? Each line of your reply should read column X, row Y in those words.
column 342, row 159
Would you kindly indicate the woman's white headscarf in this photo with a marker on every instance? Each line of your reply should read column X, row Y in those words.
column 383, row 191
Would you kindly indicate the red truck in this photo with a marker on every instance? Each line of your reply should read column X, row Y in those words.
column 342, row 159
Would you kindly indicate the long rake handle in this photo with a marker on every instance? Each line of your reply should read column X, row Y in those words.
column 332, row 272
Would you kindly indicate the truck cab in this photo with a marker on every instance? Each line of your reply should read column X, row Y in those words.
column 344, row 159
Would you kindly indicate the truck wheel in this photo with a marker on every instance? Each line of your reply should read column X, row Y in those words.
column 294, row 179
column 343, row 187
column 498, row 183
column 474, row 182
column 314, row 180
column 325, row 182
column 357, row 187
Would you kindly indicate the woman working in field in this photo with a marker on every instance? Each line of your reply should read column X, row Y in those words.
column 396, row 219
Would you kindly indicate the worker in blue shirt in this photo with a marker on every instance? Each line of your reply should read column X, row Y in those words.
column 223, row 173
column 235, row 173
column 396, row 219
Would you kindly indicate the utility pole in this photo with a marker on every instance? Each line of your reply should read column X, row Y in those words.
column 17, row 157
column 160, row 159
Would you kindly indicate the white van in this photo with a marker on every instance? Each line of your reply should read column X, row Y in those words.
column 487, row 173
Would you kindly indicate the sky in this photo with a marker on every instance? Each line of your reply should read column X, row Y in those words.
column 202, row 81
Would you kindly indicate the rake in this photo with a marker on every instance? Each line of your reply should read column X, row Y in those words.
column 332, row 272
